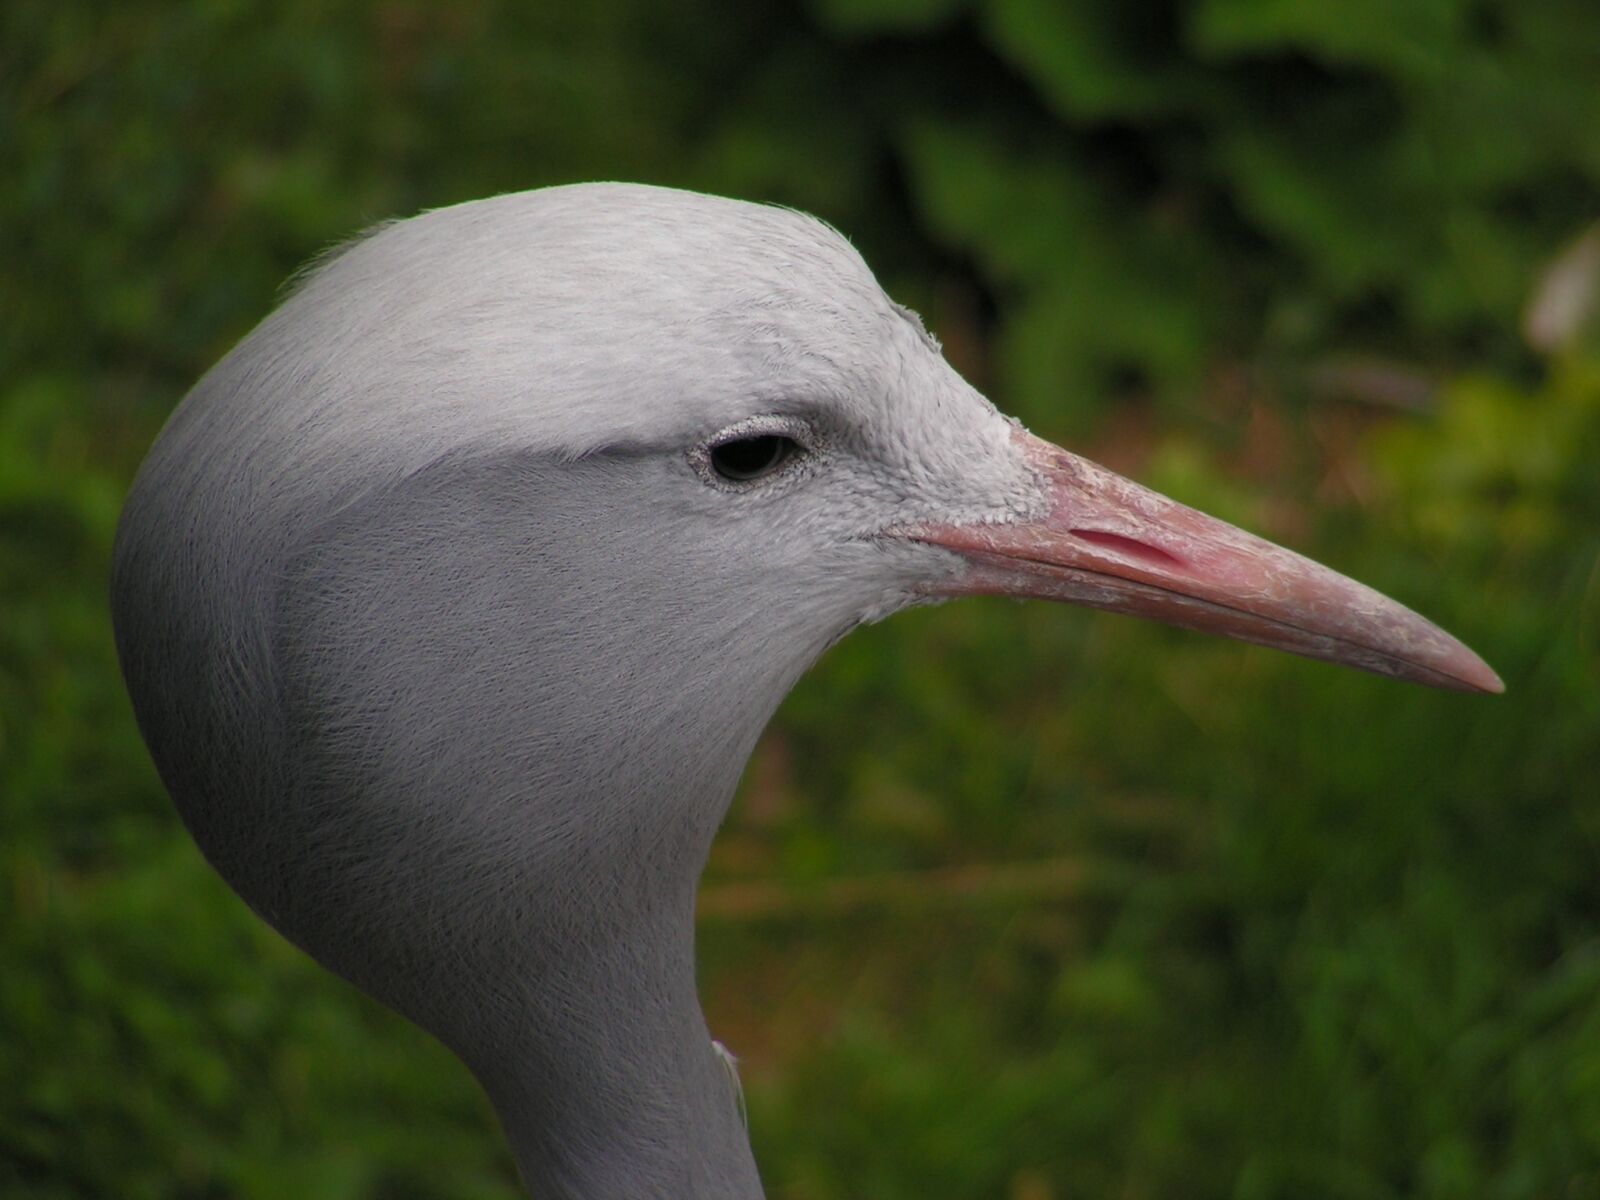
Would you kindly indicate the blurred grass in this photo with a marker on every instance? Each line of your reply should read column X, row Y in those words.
column 1016, row 901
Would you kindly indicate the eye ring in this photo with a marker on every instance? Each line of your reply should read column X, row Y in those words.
column 757, row 453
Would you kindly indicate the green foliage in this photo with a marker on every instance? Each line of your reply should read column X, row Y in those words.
column 1321, row 171
column 1286, row 931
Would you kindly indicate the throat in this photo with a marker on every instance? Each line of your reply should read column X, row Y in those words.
column 607, row 1081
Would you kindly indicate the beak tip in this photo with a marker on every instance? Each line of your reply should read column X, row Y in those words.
column 1484, row 679
column 1462, row 670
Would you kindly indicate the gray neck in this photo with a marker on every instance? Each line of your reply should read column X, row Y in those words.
column 614, row 1089
column 568, row 988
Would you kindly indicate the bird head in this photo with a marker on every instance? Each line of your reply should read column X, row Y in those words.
column 454, row 598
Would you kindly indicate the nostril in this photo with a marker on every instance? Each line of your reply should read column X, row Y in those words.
column 1131, row 547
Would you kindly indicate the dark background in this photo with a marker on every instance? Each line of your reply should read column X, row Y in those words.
column 1017, row 901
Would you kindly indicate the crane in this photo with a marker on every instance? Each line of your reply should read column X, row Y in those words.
column 454, row 598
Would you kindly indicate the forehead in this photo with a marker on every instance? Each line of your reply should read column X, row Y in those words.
column 579, row 315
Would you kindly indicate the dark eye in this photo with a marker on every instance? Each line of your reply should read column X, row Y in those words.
column 743, row 459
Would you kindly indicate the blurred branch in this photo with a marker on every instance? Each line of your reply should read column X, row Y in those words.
column 1381, row 382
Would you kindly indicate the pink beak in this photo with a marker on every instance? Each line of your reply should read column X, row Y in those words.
column 1108, row 543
